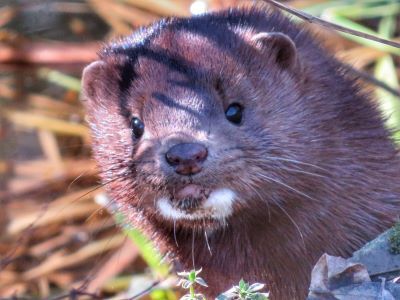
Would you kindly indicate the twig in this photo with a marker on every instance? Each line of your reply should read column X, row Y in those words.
column 73, row 294
column 312, row 19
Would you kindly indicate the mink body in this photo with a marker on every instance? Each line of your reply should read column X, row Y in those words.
column 310, row 167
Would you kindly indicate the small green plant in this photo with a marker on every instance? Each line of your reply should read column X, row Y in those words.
column 245, row 291
column 188, row 281
column 394, row 239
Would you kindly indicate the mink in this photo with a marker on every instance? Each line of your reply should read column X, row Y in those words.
column 239, row 145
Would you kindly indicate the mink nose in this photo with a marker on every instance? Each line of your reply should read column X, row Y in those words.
column 186, row 158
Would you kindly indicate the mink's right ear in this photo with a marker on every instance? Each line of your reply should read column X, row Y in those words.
column 279, row 47
column 93, row 81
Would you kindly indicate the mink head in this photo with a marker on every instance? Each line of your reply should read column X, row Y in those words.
column 198, row 121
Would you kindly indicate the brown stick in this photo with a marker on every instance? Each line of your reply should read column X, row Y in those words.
column 312, row 19
column 122, row 257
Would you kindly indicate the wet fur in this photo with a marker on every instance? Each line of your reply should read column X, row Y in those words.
column 313, row 166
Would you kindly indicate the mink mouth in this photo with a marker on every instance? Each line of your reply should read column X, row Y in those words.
column 194, row 202
column 189, row 198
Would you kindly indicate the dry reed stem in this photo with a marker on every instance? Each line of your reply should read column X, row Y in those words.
column 50, row 215
column 44, row 287
column 48, row 53
column 121, row 258
column 30, row 120
column 161, row 7
column 359, row 57
column 66, row 235
column 132, row 15
column 62, row 279
column 60, row 260
column 9, row 292
column 102, row 8
column 51, row 150
column 45, row 103
column 7, row 13
column 37, row 175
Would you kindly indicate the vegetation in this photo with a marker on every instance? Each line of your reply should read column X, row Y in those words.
column 242, row 291
column 394, row 239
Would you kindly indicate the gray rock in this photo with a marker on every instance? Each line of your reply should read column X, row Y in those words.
column 376, row 256
column 364, row 276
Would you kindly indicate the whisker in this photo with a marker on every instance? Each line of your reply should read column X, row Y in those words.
column 207, row 244
column 176, row 240
column 254, row 189
column 304, row 172
column 287, row 186
column 296, row 162
column 233, row 159
column 194, row 267
column 76, row 179
column 106, row 207
column 291, row 220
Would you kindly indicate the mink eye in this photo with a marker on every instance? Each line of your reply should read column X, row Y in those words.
column 137, row 127
column 234, row 113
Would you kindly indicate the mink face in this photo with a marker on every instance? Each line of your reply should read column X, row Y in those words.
column 203, row 132
column 238, row 124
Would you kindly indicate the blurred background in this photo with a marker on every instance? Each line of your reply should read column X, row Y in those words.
column 59, row 235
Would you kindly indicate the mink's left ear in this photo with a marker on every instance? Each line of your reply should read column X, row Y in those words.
column 279, row 47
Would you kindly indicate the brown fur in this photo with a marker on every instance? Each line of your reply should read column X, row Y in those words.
column 312, row 164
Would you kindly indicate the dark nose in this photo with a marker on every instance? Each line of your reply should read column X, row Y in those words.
column 186, row 158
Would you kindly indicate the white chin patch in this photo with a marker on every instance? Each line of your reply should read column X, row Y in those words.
column 217, row 206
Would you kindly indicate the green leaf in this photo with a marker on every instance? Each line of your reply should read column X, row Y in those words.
column 183, row 274
column 162, row 294
column 224, row 296
column 61, row 79
column 192, row 275
column 385, row 70
column 182, row 281
column 201, row 281
column 364, row 10
column 256, row 287
column 187, row 284
column 242, row 284
column 147, row 250
column 260, row 296
column 356, row 26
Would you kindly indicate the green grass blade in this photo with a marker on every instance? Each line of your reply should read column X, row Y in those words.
column 61, row 79
column 365, row 11
column 318, row 9
column 385, row 70
column 353, row 25
column 147, row 250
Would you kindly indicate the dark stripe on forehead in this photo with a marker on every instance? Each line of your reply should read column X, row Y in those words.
column 172, row 103
column 140, row 39
column 174, row 63
column 128, row 75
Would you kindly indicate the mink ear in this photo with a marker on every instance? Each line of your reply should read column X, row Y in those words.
column 93, row 79
column 279, row 46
